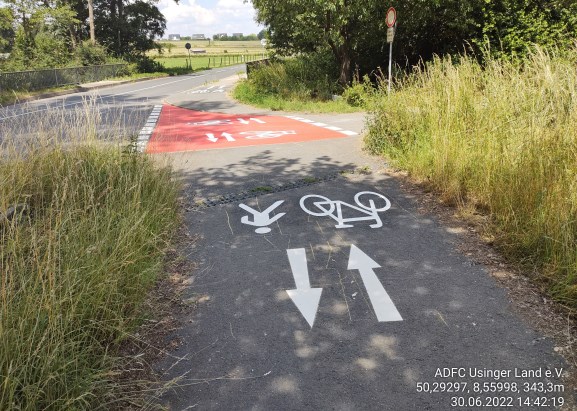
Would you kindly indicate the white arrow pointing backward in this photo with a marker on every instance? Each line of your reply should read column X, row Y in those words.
column 214, row 139
column 382, row 304
column 304, row 297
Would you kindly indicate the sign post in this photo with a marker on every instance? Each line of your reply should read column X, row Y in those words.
column 391, row 24
column 188, row 46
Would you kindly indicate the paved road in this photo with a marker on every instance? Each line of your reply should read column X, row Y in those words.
column 319, row 288
column 123, row 107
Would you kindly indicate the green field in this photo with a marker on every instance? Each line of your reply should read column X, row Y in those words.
column 207, row 61
column 214, row 47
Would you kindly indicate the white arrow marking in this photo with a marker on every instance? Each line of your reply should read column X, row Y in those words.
column 243, row 121
column 382, row 304
column 304, row 297
column 214, row 139
column 228, row 137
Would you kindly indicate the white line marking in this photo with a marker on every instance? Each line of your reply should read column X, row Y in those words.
column 323, row 125
column 146, row 131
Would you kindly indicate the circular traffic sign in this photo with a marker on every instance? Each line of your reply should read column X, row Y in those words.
column 391, row 17
column 187, row 46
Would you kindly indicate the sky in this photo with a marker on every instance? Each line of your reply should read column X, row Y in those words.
column 208, row 17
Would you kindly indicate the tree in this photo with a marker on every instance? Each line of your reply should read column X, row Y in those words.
column 355, row 31
column 128, row 29
column 7, row 33
column 91, row 21
column 311, row 25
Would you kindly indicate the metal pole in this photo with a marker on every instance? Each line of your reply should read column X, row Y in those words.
column 390, row 65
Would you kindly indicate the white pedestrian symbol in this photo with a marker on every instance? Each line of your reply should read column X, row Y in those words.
column 321, row 206
column 261, row 219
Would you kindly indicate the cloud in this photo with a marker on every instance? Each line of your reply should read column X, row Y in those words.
column 208, row 17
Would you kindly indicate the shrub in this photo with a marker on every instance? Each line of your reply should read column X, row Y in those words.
column 304, row 77
column 359, row 93
column 89, row 54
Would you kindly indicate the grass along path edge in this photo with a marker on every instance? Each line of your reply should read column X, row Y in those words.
column 76, row 263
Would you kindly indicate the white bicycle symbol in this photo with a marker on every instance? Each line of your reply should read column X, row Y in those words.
column 257, row 135
column 327, row 207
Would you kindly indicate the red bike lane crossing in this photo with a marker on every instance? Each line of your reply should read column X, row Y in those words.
column 178, row 129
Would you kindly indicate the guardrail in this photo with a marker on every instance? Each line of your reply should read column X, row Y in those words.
column 250, row 66
column 40, row 79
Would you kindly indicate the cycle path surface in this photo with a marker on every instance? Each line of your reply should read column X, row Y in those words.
column 322, row 289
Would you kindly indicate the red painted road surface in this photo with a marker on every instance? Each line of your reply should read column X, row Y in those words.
column 179, row 129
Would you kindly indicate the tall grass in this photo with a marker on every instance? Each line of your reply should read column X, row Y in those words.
column 501, row 138
column 76, row 265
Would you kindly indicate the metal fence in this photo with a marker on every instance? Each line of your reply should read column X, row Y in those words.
column 40, row 79
column 230, row 59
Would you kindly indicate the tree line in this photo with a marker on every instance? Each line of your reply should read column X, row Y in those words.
column 354, row 32
column 55, row 33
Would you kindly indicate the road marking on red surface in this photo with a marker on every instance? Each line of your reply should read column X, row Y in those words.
column 178, row 129
column 323, row 125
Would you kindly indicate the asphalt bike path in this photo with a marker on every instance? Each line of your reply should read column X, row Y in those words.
column 318, row 284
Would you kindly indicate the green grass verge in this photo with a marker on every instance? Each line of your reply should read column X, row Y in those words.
column 247, row 93
column 500, row 139
column 75, row 267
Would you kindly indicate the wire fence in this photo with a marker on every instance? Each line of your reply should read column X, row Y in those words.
column 41, row 79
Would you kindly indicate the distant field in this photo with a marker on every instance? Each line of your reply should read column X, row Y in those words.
column 215, row 47
column 208, row 61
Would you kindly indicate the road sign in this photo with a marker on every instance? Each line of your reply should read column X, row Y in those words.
column 390, row 34
column 391, row 17
column 187, row 46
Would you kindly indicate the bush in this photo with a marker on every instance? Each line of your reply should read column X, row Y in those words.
column 304, row 77
column 359, row 93
column 500, row 139
column 89, row 54
column 145, row 64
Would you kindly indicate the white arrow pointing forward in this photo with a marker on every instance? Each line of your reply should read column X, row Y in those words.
column 304, row 297
column 382, row 304
column 243, row 121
